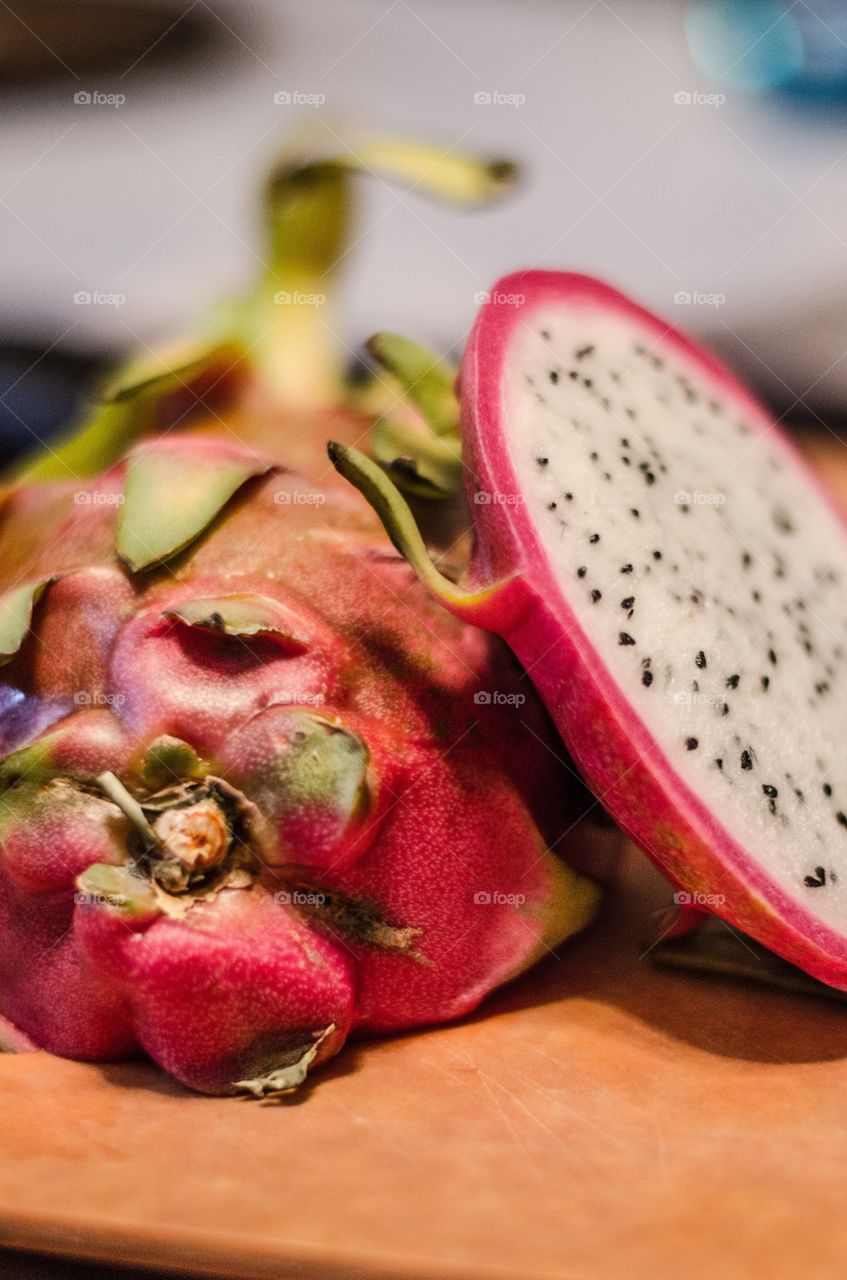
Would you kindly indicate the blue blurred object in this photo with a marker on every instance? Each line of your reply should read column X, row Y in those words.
column 39, row 396
column 773, row 45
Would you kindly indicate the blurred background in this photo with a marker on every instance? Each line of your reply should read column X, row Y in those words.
column 692, row 154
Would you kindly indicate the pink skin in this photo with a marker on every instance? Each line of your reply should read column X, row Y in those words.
column 617, row 755
column 222, row 993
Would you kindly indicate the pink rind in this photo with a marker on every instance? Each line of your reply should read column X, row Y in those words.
column 600, row 728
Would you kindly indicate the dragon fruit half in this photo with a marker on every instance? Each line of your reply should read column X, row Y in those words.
column 672, row 578
column 258, row 791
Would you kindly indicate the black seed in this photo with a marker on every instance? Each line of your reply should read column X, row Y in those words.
column 772, row 657
column 572, row 373
column 746, row 560
column 827, row 789
column 554, row 377
column 657, row 555
column 649, row 477
column 817, row 880
column 626, row 568
column 542, row 462
column 691, row 744
column 647, row 678
column 628, row 602
column 746, row 760
column 569, row 497
column 700, row 660
column 766, row 680
column 719, row 763
column 595, row 537
column 551, row 506
column 633, row 511
column 586, row 382
column 625, row 638
column 581, row 571
column 842, row 818
column 545, row 333
column 596, row 595
column 724, row 708
column 769, row 790
column 757, row 596
column 732, row 682
column 624, row 442
column 584, row 351
column 625, row 460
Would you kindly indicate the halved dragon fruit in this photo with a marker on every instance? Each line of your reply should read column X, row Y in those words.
column 672, row 578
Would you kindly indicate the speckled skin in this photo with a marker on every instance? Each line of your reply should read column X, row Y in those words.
column 462, row 796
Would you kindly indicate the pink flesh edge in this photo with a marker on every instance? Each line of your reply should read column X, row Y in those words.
column 695, row 851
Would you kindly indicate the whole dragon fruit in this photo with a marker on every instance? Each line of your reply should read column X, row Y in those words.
column 672, row 578
column 258, row 791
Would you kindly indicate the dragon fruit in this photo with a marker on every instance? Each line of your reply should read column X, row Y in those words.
column 258, row 791
column 671, row 576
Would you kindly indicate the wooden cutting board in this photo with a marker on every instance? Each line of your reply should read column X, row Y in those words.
column 599, row 1118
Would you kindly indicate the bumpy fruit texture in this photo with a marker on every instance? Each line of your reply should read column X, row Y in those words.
column 259, row 790
column 666, row 568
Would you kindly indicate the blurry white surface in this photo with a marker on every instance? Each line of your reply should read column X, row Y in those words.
column 740, row 202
